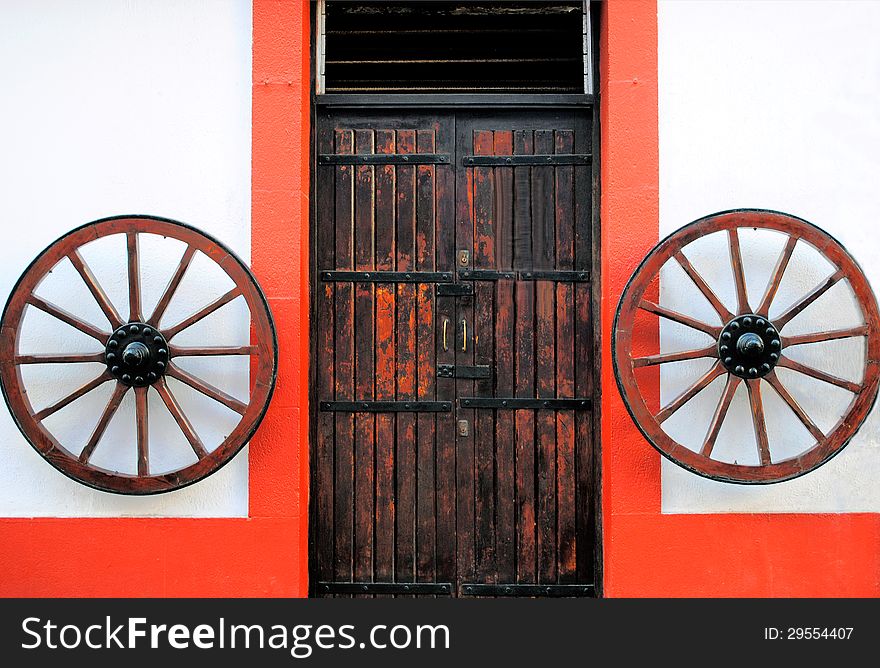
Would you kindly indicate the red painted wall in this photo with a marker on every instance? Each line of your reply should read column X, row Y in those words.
column 647, row 553
column 267, row 553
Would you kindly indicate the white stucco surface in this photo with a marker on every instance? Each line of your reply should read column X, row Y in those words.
column 771, row 105
column 112, row 108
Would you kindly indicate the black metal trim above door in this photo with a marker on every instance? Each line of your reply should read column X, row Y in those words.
column 452, row 100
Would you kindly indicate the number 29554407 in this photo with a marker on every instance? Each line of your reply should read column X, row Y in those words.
column 808, row 633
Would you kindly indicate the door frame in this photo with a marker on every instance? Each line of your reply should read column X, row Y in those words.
column 588, row 104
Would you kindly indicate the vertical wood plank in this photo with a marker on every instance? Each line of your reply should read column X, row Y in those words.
column 344, row 362
column 524, row 363
column 586, row 190
column 505, row 487
column 427, row 370
column 483, row 326
column 406, row 364
column 544, row 231
column 445, row 447
column 464, row 462
column 325, row 257
column 364, row 329
column 565, row 386
column 386, row 368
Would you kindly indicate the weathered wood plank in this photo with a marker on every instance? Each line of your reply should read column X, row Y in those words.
column 325, row 368
column 445, row 311
column 365, row 349
column 524, row 368
column 544, row 234
column 386, row 368
column 565, row 386
column 344, row 509
column 505, row 501
column 484, row 306
column 405, row 565
column 464, row 463
column 427, row 367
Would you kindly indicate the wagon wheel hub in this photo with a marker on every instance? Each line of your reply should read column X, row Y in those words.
column 137, row 354
column 749, row 346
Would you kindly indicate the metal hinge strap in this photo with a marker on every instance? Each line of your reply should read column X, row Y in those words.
column 485, row 275
column 527, row 590
column 386, row 406
column 531, row 275
column 444, row 588
column 455, row 289
column 387, row 276
column 385, row 159
column 462, row 371
column 582, row 403
column 532, row 160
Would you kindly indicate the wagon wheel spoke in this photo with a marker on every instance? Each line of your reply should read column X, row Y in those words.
column 789, row 363
column 143, row 429
column 776, row 277
column 171, row 332
column 180, row 418
column 698, row 280
column 757, row 406
column 73, row 396
column 172, row 286
column 703, row 382
column 183, row 351
column 680, row 318
column 95, row 288
column 820, row 337
column 782, row 320
column 72, row 358
column 103, row 421
column 777, row 385
column 663, row 358
column 134, row 277
column 720, row 414
column 739, row 276
column 68, row 318
column 207, row 389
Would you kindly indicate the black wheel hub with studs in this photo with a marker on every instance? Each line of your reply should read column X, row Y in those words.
column 749, row 346
column 137, row 354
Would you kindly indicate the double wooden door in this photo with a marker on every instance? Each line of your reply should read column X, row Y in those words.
column 453, row 448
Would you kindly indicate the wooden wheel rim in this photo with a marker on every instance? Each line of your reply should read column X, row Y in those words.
column 262, row 350
column 860, row 406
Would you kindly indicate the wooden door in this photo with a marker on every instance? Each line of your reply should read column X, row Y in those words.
column 453, row 373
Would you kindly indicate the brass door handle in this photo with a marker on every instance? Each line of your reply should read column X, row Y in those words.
column 445, row 327
column 464, row 335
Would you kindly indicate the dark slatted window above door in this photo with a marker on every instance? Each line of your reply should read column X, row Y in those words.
column 513, row 46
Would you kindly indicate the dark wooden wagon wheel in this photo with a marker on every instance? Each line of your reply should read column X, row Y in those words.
column 139, row 354
column 747, row 347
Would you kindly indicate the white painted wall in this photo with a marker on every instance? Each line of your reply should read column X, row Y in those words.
column 109, row 108
column 772, row 105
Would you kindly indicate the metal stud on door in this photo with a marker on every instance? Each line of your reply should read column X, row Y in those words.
column 138, row 353
column 746, row 346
